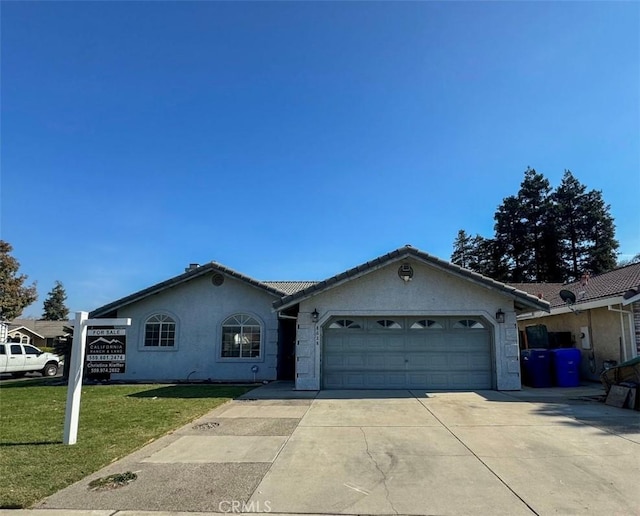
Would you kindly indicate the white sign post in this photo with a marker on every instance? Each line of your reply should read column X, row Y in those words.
column 76, row 366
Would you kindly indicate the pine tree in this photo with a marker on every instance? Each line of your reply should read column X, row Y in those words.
column 14, row 296
column 585, row 230
column 542, row 234
column 602, row 244
column 511, row 234
column 462, row 249
column 535, row 213
column 54, row 307
column 569, row 200
column 488, row 258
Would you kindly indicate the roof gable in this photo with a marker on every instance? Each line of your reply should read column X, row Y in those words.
column 522, row 299
column 24, row 329
column 187, row 276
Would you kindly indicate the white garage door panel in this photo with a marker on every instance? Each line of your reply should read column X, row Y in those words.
column 446, row 358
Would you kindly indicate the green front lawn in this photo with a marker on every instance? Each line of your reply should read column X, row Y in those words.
column 114, row 421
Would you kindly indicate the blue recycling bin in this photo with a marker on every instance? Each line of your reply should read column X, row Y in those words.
column 536, row 367
column 566, row 367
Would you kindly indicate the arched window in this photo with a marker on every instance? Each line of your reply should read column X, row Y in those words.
column 241, row 337
column 423, row 324
column 468, row 324
column 345, row 323
column 24, row 339
column 160, row 331
column 389, row 324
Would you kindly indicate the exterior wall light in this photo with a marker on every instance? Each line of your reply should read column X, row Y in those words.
column 500, row 316
column 315, row 315
column 405, row 271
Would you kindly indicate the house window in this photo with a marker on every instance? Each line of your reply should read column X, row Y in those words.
column 389, row 324
column 468, row 324
column 241, row 337
column 160, row 331
column 426, row 324
column 24, row 339
column 345, row 323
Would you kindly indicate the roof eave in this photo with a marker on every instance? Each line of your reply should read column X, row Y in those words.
column 577, row 307
column 399, row 254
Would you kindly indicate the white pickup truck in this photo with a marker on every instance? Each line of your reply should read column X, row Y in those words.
column 20, row 359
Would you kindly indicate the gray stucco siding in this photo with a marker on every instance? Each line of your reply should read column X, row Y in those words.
column 431, row 292
column 199, row 309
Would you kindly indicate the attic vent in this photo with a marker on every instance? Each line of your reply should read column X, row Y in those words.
column 217, row 279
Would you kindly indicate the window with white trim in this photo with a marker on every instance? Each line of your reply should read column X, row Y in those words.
column 160, row 331
column 241, row 337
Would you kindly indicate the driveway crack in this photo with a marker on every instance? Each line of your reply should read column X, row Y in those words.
column 384, row 475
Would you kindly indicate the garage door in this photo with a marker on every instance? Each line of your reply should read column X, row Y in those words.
column 451, row 353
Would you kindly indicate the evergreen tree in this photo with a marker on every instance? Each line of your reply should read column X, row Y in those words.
column 585, row 230
column 602, row 244
column 511, row 234
column 14, row 296
column 488, row 258
column 534, row 213
column 54, row 307
column 544, row 235
column 462, row 249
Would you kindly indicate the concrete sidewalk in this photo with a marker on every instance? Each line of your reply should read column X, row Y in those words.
column 382, row 452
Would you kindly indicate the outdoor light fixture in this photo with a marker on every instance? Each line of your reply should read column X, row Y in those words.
column 405, row 271
column 315, row 315
column 500, row 315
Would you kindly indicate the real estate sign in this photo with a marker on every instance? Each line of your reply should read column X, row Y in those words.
column 106, row 350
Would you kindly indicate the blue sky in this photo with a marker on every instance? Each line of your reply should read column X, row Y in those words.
column 293, row 140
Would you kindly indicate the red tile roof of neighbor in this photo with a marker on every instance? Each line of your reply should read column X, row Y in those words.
column 608, row 284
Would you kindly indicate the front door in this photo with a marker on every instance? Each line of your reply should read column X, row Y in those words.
column 287, row 349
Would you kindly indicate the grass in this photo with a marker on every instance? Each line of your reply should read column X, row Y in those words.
column 114, row 421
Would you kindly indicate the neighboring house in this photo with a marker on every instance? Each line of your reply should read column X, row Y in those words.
column 36, row 332
column 604, row 321
column 403, row 320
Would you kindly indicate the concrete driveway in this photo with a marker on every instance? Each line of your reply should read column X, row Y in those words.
column 387, row 452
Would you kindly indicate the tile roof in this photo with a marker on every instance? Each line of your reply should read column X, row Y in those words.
column 608, row 284
column 290, row 287
column 523, row 299
column 47, row 329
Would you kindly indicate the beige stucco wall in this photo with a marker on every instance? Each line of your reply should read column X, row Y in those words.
column 605, row 335
column 431, row 292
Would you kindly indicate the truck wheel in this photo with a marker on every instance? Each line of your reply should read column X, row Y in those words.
column 51, row 369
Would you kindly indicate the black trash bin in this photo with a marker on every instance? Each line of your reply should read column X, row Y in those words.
column 536, row 367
